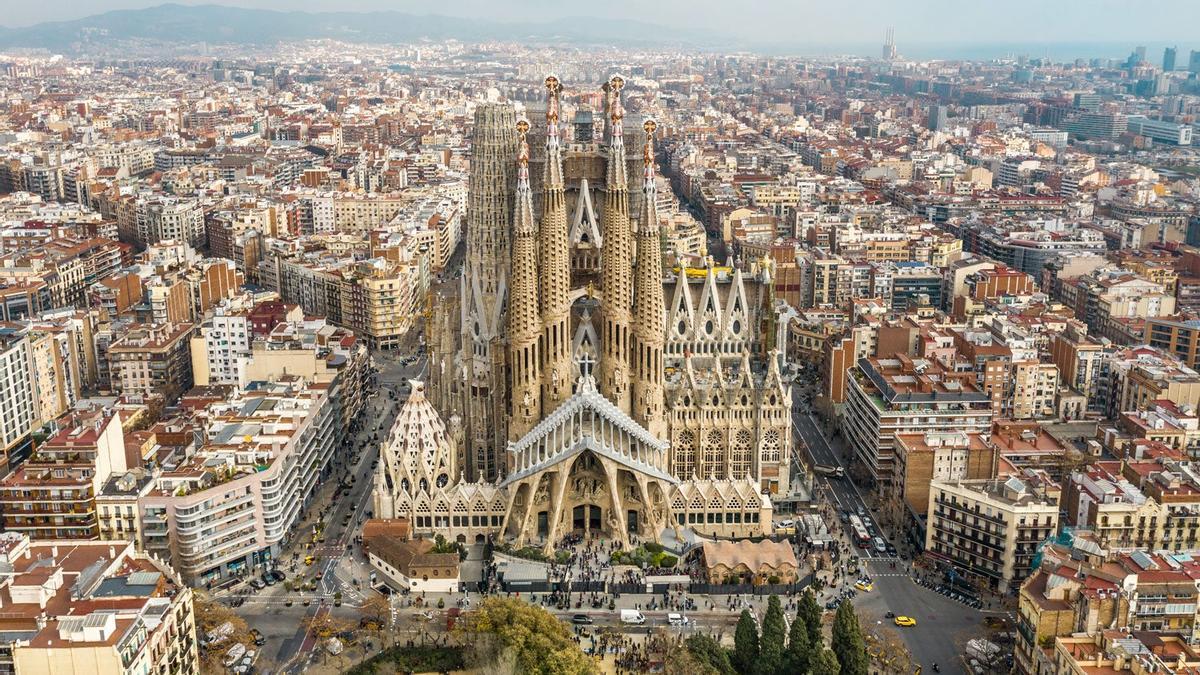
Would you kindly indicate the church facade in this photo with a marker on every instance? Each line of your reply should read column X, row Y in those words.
column 583, row 379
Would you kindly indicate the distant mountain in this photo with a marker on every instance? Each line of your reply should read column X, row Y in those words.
column 218, row 24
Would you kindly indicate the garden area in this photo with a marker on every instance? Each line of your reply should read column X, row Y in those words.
column 646, row 555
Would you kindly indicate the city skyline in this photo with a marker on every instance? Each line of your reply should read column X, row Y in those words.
column 676, row 334
column 1072, row 29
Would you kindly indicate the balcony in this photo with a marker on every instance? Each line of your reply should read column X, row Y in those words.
column 973, row 512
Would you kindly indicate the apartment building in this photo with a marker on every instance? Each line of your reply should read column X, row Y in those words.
column 998, row 281
column 1083, row 364
column 1117, row 513
column 378, row 299
column 1173, row 426
column 53, row 494
column 1033, row 392
column 117, row 504
column 18, row 395
column 923, row 457
column 152, row 359
column 231, row 505
column 220, row 351
column 886, row 397
column 1140, row 375
column 143, row 220
column 1076, row 590
column 1176, row 335
column 990, row 529
column 93, row 607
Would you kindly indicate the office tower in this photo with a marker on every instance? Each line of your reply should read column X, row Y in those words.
column 1169, row 55
column 1194, row 62
column 938, row 117
column 1089, row 102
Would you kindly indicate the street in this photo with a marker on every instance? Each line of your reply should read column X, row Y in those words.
column 343, row 502
column 943, row 624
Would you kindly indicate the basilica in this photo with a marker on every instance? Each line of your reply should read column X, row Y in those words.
column 582, row 378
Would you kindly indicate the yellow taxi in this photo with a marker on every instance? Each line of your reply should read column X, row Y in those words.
column 906, row 621
column 308, row 560
column 863, row 586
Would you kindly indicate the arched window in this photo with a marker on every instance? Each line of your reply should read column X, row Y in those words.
column 770, row 447
column 743, row 452
column 685, row 455
column 713, row 466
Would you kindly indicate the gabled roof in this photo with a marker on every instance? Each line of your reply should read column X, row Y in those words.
column 588, row 398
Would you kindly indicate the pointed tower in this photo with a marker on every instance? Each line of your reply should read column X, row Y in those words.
column 556, row 263
column 485, row 288
column 524, row 358
column 616, row 259
column 648, row 334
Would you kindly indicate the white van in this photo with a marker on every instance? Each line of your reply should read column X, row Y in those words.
column 632, row 616
column 880, row 545
column 674, row 619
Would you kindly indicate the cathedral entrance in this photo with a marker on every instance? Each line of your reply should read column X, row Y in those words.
column 543, row 527
column 631, row 521
column 586, row 518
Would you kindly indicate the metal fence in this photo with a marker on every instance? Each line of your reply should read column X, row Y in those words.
column 747, row 589
column 626, row 588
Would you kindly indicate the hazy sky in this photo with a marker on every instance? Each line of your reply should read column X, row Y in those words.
column 828, row 21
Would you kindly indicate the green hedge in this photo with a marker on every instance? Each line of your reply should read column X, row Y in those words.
column 652, row 555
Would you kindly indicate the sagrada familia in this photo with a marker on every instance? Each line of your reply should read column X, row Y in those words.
column 579, row 383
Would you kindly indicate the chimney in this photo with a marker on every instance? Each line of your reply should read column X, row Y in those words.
column 54, row 551
column 112, row 553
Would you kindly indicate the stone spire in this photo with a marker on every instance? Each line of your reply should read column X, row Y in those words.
column 616, row 268
column 485, row 288
column 524, row 358
column 555, row 263
column 648, row 305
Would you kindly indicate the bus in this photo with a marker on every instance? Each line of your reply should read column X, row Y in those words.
column 861, row 536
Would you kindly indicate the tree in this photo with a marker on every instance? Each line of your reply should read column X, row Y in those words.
column 825, row 663
column 535, row 640
column 679, row 660
column 810, row 614
column 745, row 644
column 896, row 656
column 376, row 610
column 770, row 647
column 709, row 652
column 848, row 643
column 799, row 650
